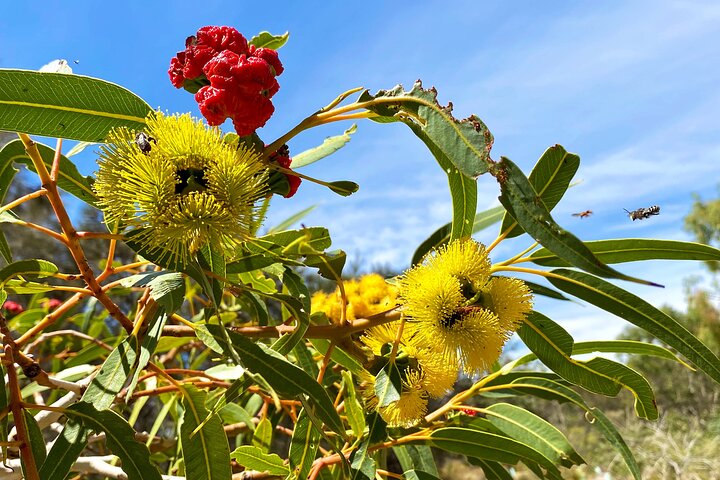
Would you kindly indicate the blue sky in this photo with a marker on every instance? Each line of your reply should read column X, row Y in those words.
column 632, row 87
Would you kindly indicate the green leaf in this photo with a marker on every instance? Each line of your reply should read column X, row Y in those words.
column 528, row 428
column 417, row 458
column 206, row 454
column 344, row 188
column 120, row 438
column 554, row 346
column 69, row 178
column 61, row 105
column 626, row 346
column 292, row 220
column 388, row 385
column 538, row 289
column 35, row 437
column 491, row 469
column 20, row 287
column 362, row 464
column 262, row 437
column 420, row 475
column 441, row 236
column 329, row 146
column 287, row 379
column 550, row 179
column 353, row 408
column 303, row 445
column 252, row 458
column 65, row 451
column 147, row 347
column 489, row 446
column 521, row 201
column 34, row 268
column 633, row 250
column 3, row 402
column 545, row 388
column 299, row 308
column 640, row 313
column 166, row 288
column 465, row 143
column 268, row 40
column 338, row 355
column 112, row 375
column 329, row 264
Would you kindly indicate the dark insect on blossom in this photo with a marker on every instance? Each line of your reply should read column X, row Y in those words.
column 642, row 213
column 143, row 140
column 584, row 214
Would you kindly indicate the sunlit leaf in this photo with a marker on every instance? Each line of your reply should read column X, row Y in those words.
column 329, row 146
column 303, row 445
column 252, row 458
column 67, row 106
column 268, row 40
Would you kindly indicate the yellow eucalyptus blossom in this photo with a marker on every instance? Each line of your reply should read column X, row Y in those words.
column 366, row 296
column 177, row 187
column 424, row 374
column 458, row 310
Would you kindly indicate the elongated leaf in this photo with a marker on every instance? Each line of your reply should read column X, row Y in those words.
column 626, row 346
column 466, row 143
column 3, row 400
column 441, row 236
column 262, row 436
column 491, row 469
column 303, row 446
column 417, row 458
column 329, row 146
column 521, row 201
column 553, row 346
column 550, row 179
column 113, row 374
column 635, row 249
column 69, row 178
column 489, row 446
column 206, row 454
column 287, row 379
column 538, row 289
column 292, row 220
column 147, row 346
column 419, row 475
column 353, row 409
column 528, row 428
column 545, row 388
column 120, row 438
column 329, row 264
column 268, row 40
column 65, row 451
column 34, row 268
column 362, row 464
column 640, row 313
column 338, row 355
column 67, row 106
column 252, row 458
column 35, row 438
column 300, row 294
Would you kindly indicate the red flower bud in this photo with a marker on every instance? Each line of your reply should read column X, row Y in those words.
column 282, row 157
column 13, row 308
column 53, row 303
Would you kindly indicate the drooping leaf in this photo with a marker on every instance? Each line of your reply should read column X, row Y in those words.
column 303, row 446
column 441, row 236
column 532, row 430
column 69, row 178
column 491, row 469
column 388, row 385
column 344, row 188
column 353, row 409
column 268, row 40
column 147, row 346
column 65, row 451
column 640, row 313
column 262, row 436
column 206, row 453
column 113, row 374
column 626, row 346
column 329, row 146
column 521, row 201
column 553, row 346
column 299, row 310
column 633, row 250
column 489, row 446
column 34, row 268
column 120, row 439
column 70, row 106
column 338, row 355
column 419, row 475
column 538, row 289
column 35, row 439
column 287, row 379
column 252, row 458
column 466, row 143
column 550, row 178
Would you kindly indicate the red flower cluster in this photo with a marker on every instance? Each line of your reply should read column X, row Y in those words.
column 230, row 78
column 282, row 157
column 13, row 308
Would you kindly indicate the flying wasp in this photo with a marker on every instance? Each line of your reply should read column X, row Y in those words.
column 584, row 214
column 642, row 213
column 143, row 140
